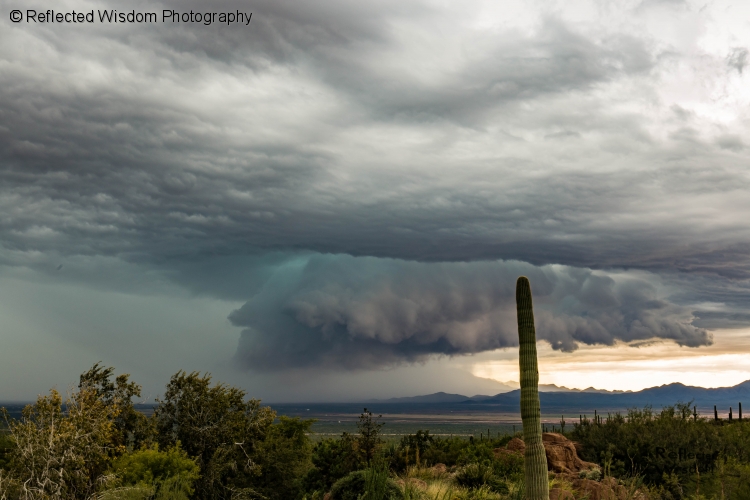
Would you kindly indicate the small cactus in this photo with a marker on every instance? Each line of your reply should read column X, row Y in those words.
column 535, row 459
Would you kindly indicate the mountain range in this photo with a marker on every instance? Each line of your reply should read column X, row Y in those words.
column 562, row 398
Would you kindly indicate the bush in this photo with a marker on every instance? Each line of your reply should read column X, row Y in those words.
column 414, row 447
column 509, row 465
column 476, row 476
column 168, row 473
column 129, row 493
column 449, row 451
column 332, row 459
column 639, row 443
column 374, row 482
column 6, row 447
column 593, row 474
column 9, row 486
column 58, row 453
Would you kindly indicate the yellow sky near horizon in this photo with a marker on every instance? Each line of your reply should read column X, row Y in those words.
column 624, row 367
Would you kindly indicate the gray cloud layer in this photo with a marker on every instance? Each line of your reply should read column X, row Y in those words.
column 341, row 311
column 395, row 132
column 315, row 130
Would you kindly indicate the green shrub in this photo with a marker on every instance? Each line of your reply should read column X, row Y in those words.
column 377, row 481
column 476, row 476
column 332, row 459
column 630, row 444
column 593, row 474
column 476, row 452
column 150, row 473
column 150, row 465
column 473, row 475
column 414, row 446
column 369, row 484
column 509, row 465
column 141, row 492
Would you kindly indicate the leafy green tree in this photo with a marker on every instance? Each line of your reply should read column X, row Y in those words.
column 131, row 427
column 369, row 435
column 219, row 428
column 332, row 459
column 284, row 457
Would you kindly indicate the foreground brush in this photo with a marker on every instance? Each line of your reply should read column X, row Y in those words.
column 535, row 459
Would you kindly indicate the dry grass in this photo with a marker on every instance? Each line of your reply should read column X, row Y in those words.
column 436, row 483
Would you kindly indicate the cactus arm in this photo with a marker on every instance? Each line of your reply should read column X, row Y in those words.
column 535, row 460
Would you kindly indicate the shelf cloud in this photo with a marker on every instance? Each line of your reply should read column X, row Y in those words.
column 336, row 311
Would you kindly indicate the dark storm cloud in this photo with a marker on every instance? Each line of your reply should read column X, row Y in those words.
column 355, row 48
column 101, row 160
column 384, row 130
column 339, row 311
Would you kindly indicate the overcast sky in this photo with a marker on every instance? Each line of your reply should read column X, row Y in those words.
column 334, row 201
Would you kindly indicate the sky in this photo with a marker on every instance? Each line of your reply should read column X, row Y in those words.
column 333, row 201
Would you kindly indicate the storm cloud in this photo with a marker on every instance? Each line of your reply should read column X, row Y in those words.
column 339, row 311
column 370, row 178
column 404, row 131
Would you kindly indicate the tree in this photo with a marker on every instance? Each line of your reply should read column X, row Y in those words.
column 131, row 427
column 332, row 459
column 219, row 428
column 60, row 454
column 284, row 457
column 369, row 435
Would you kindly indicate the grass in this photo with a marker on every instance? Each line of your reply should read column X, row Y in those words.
column 431, row 483
column 434, row 483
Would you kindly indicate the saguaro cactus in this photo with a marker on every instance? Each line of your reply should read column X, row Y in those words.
column 535, row 463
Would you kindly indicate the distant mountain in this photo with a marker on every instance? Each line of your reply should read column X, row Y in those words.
column 723, row 398
column 479, row 397
column 554, row 398
column 603, row 391
column 556, row 388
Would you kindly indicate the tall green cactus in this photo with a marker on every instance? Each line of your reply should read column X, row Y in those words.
column 535, row 463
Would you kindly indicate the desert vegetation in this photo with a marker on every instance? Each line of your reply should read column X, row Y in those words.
column 207, row 440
